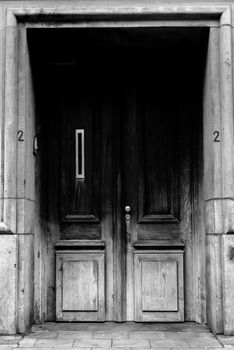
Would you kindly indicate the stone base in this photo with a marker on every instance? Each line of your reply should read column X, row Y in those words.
column 8, row 284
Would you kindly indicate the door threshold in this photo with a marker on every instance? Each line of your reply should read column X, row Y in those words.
column 123, row 326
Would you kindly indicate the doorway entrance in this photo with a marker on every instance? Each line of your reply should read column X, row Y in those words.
column 120, row 131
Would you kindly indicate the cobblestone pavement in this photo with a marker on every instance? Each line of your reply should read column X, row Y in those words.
column 117, row 336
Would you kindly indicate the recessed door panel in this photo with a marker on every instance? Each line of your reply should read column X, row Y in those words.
column 159, row 289
column 158, row 160
column 80, row 286
column 81, row 281
column 159, row 285
column 81, row 158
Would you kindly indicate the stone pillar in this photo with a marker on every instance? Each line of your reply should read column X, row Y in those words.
column 8, row 237
column 17, row 179
column 212, row 184
column 219, row 178
column 227, row 246
column 25, row 185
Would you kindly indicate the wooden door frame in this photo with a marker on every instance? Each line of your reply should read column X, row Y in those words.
column 17, row 110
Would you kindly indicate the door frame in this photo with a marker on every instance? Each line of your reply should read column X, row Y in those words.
column 18, row 193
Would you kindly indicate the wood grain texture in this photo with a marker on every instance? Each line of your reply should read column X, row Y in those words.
column 80, row 286
column 80, row 198
column 158, row 156
column 159, row 285
column 159, row 289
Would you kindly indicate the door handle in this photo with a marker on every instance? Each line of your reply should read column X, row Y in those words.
column 127, row 211
column 127, row 218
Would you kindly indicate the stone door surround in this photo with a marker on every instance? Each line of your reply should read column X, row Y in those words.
column 17, row 189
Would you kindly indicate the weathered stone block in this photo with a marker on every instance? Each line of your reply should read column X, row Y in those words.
column 8, row 283
column 214, row 283
column 25, row 282
column 25, row 216
column 228, row 283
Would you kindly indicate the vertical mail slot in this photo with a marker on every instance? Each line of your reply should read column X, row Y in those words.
column 80, row 154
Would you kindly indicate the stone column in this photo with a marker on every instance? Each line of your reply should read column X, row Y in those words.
column 8, row 159
column 227, row 158
column 17, row 179
column 219, row 178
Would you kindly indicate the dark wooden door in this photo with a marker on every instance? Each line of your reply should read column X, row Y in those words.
column 151, row 199
column 85, row 252
column 120, row 199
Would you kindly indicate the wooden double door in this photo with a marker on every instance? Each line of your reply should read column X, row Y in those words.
column 124, row 192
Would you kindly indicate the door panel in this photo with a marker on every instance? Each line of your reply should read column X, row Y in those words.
column 80, row 281
column 158, row 160
column 159, row 289
column 82, row 277
column 157, row 293
column 81, row 197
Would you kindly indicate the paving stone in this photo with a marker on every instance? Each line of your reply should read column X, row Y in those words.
column 27, row 342
column 6, row 346
column 113, row 349
column 35, row 348
column 43, row 335
column 226, row 340
column 190, row 335
column 169, row 343
column 161, row 349
column 10, row 339
column 147, row 335
column 212, row 342
column 132, row 343
column 155, row 348
column 54, row 343
column 127, row 336
column 53, row 348
column 110, row 335
column 93, row 343
column 74, row 335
